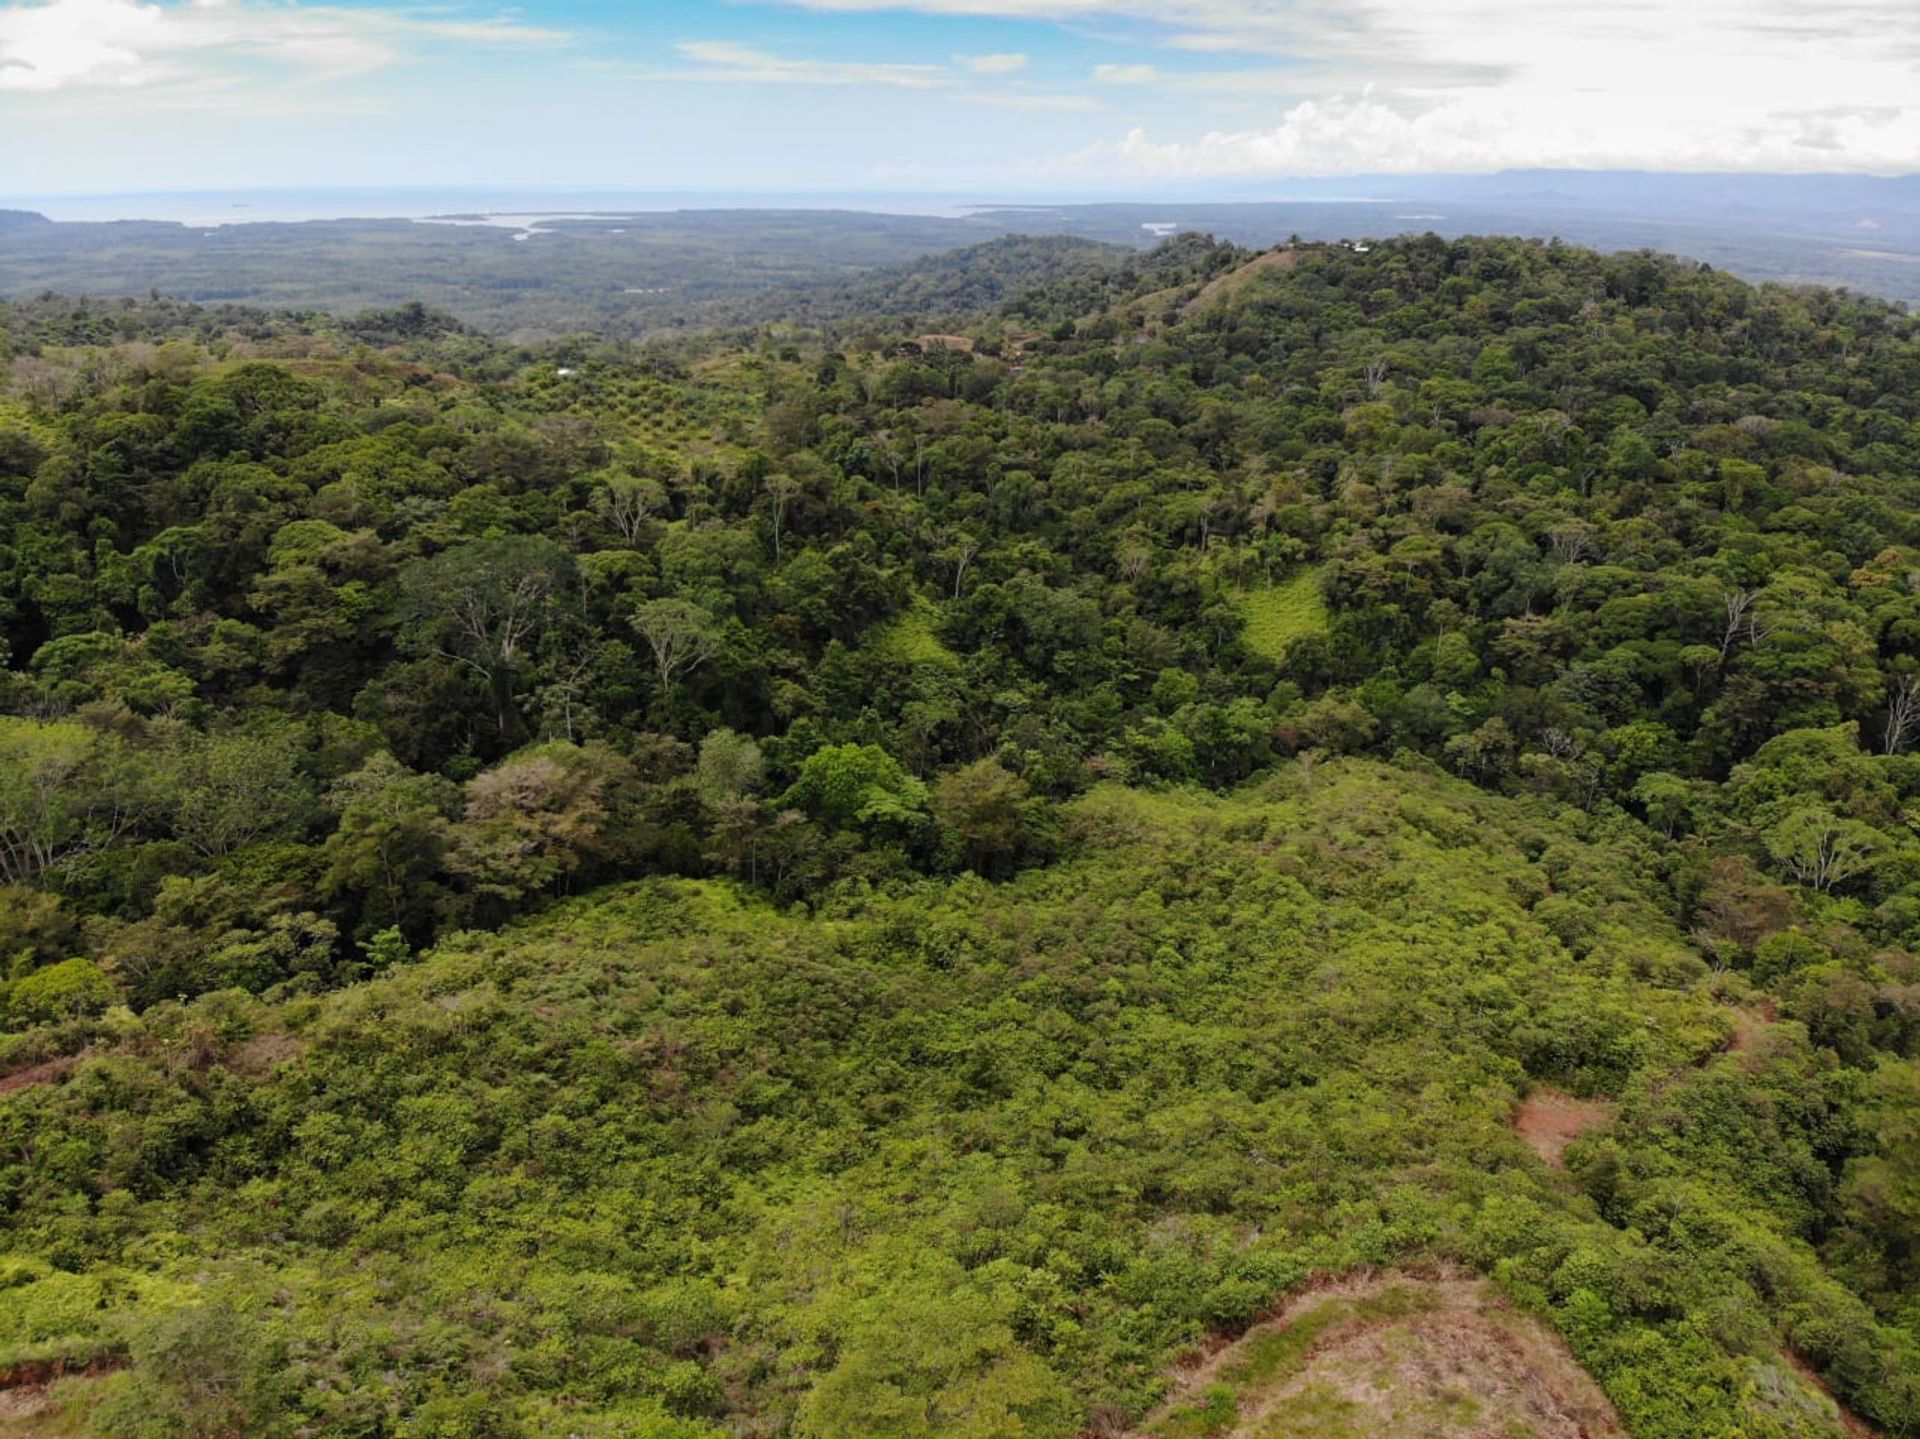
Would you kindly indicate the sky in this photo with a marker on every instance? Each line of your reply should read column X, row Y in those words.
column 983, row 98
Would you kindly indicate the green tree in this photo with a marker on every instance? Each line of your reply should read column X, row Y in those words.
column 388, row 846
column 200, row 1372
column 681, row 634
column 1880, row 1190
column 541, row 817
column 1818, row 848
column 857, row 784
column 483, row 605
column 66, row 792
column 65, row 990
column 235, row 789
column 984, row 807
column 730, row 767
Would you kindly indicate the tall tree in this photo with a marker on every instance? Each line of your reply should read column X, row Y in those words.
column 482, row 605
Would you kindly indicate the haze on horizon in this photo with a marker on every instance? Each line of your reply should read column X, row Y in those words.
column 1062, row 97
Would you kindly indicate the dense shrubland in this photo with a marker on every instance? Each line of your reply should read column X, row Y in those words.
column 956, row 1058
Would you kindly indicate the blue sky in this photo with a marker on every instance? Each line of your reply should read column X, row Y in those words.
column 973, row 97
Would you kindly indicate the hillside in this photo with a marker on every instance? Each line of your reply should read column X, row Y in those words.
column 620, row 275
column 959, row 282
column 958, row 1158
column 830, row 881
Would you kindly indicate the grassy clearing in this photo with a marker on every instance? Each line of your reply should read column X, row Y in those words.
column 1281, row 615
column 910, row 638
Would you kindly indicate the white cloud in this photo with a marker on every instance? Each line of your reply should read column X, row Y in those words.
column 722, row 60
column 1220, row 24
column 1030, row 100
column 1401, row 85
column 53, row 45
column 1514, row 128
column 1005, row 63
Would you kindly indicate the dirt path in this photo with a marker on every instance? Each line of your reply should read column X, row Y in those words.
column 1549, row 1121
column 1390, row 1356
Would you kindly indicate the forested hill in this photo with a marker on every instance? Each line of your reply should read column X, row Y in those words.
column 867, row 881
column 986, row 277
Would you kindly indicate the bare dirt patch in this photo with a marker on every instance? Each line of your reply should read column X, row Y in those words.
column 37, row 1398
column 19, row 1408
column 1391, row 1356
column 22, row 1403
column 35, row 1376
column 264, row 1053
column 1549, row 1121
column 50, row 1072
column 1750, row 1027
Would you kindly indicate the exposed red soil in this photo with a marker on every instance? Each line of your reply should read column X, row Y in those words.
column 27, row 1392
column 50, row 1072
column 1549, row 1121
column 39, row 1373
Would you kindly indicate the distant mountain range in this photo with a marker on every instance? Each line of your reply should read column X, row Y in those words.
column 633, row 271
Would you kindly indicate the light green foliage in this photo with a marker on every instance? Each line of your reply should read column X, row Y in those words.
column 682, row 635
column 61, row 793
column 1881, row 1189
column 1816, row 847
column 79, row 669
column 1213, row 1414
column 236, row 789
column 959, row 1159
column 1278, row 616
column 730, row 766
column 986, row 809
column 911, row 638
column 303, row 542
column 65, row 990
column 935, row 1357
column 857, row 784
column 52, row 1316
